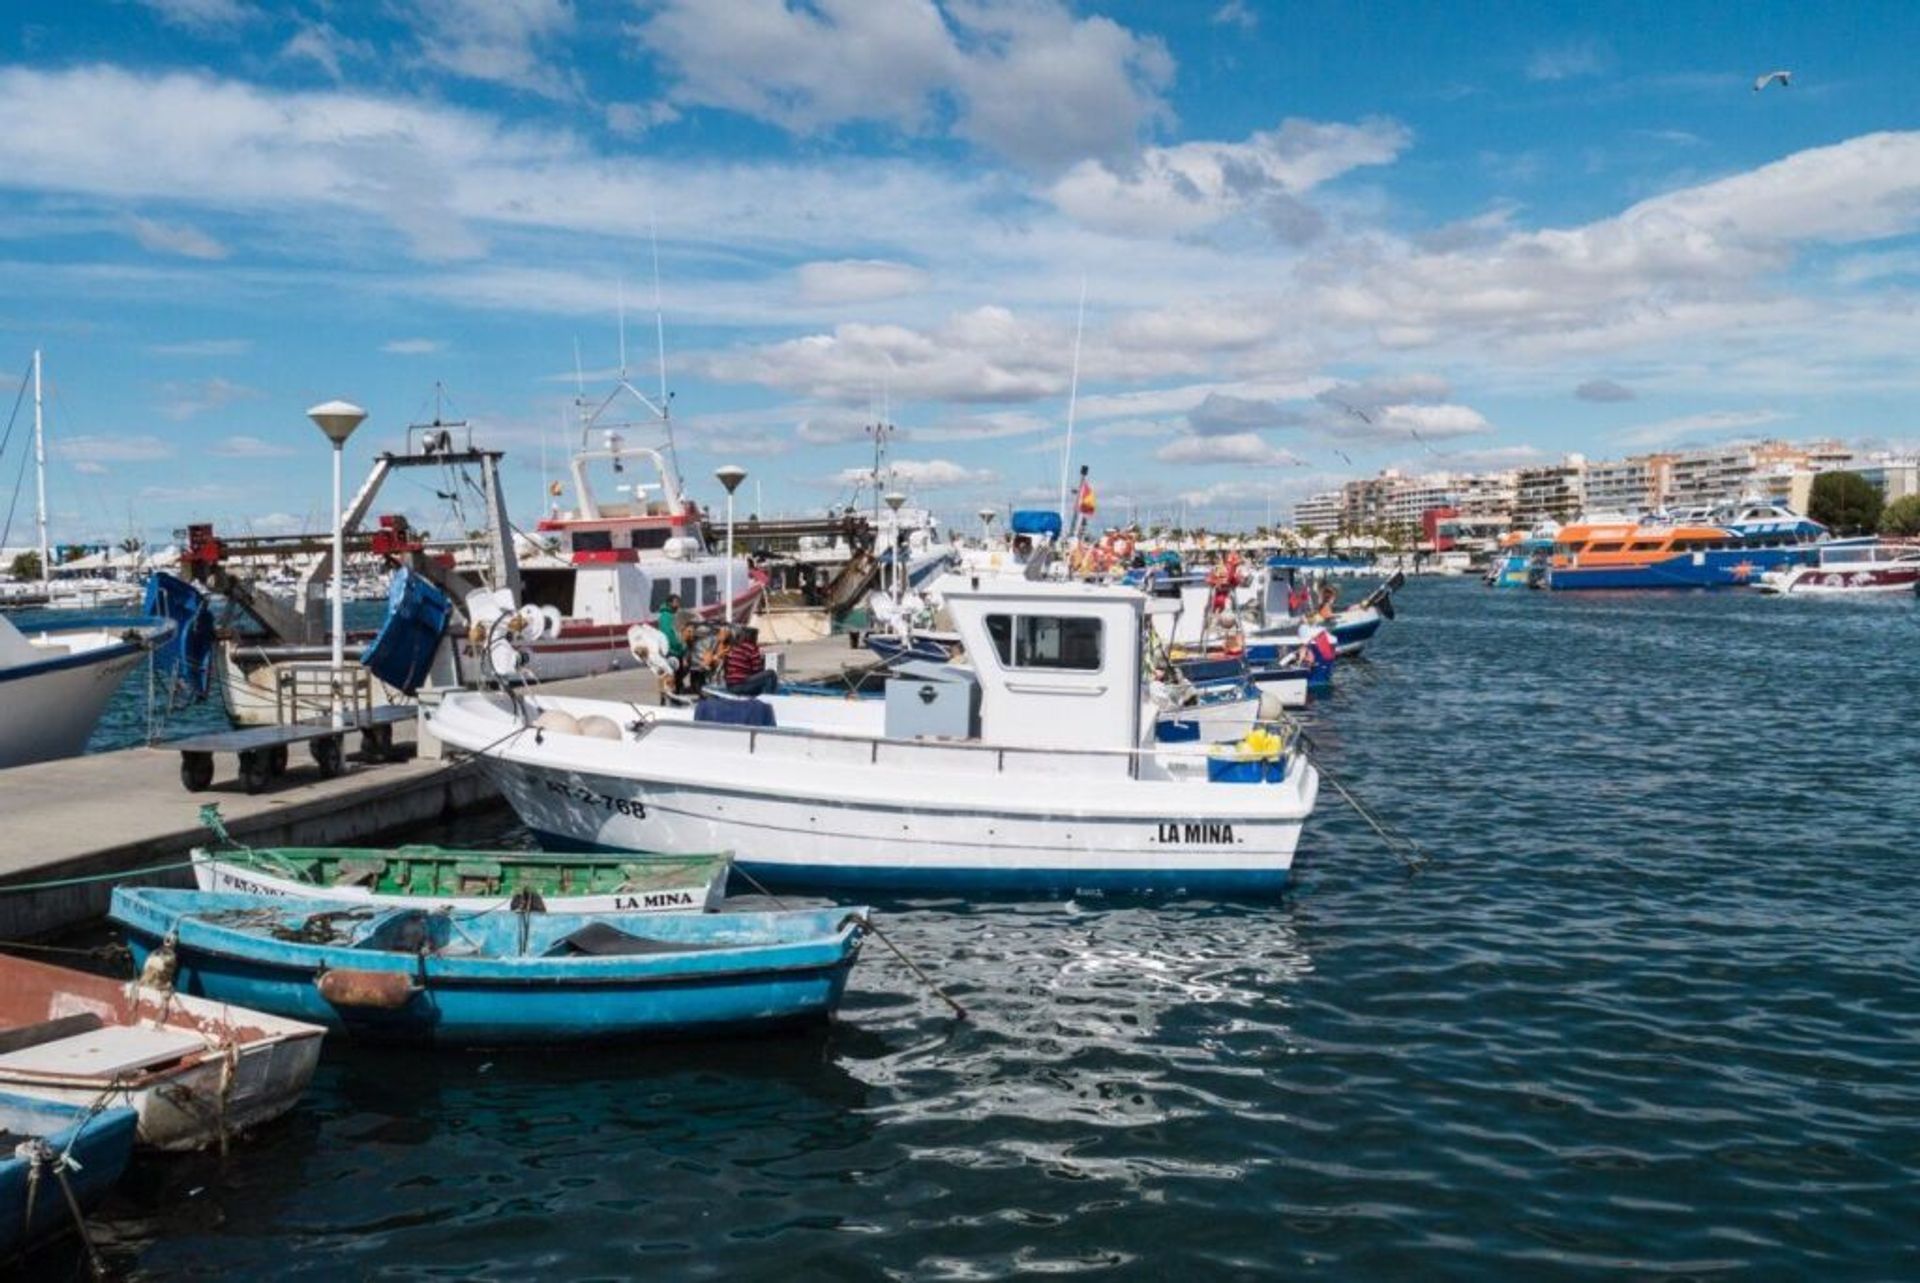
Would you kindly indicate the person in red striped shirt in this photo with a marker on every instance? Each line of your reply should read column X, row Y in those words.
column 746, row 668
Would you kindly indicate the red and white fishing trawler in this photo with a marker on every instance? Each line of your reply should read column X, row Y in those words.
column 621, row 559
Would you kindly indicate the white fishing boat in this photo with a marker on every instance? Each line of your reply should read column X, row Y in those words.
column 196, row 1072
column 55, row 683
column 1036, row 769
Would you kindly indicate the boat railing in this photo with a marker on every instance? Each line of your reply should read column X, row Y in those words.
column 1003, row 756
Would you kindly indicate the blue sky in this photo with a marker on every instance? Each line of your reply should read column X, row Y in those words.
column 1315, row 239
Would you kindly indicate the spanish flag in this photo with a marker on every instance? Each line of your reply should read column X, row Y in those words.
column 1086, row 498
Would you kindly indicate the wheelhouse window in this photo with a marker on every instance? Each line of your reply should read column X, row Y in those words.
column 709, row 589
column 655, row 537
column 593, row 541
column 1046, row 641
column 1604, row 547
column 662, row 589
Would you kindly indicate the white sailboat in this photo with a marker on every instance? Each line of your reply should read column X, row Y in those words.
column 55, row 683
column 1037, row 769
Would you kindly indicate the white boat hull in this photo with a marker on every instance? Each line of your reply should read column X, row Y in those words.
column 49, row 709
column 804, row 809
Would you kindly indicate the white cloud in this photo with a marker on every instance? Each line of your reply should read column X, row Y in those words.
column 320, row 44
column 1211, row 324
column 1244, row 449
column 924, row 474
column 1024, row 78
column 857, row 280
column 831, row 429
column 497, row 41
column 1235, row 13
column 1221, row 413
column 413, row 347
column 244, row 447
column 185, row 400
column 89, row 448
column 203, row 17
column 1677, row 264
column 636, row 119
column 1704, row 426
column 174, row 238
column 1431, row 420
column 984, row 355
column 1568, row 61
column 1190, row 186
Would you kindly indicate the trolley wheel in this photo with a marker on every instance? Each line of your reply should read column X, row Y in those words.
column 196, row 771
column 277, row 759
column 376, row 743
column 256, row 769
column 327, row 755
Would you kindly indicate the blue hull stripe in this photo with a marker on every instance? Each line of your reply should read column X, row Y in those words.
column 799, row 877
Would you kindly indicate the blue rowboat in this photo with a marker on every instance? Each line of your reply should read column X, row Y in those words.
column 486, row 977
column 51, row 1132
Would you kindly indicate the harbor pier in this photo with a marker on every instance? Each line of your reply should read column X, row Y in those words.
column 77, row 825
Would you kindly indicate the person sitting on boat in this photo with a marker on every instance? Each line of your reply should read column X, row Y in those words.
column 745, row 668
column 668, row 622
column 1327, row 598
column 1316, row 647
column 1298, row 598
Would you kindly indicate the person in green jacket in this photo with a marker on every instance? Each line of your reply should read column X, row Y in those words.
column 668, row 622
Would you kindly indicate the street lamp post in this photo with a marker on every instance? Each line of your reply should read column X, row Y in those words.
column 338, row 419
column 730, row 477
column 894, row 499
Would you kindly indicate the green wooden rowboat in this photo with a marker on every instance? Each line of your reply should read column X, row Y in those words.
column 625, row 883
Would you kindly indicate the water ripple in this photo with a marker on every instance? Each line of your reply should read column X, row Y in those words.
column 1651, row 1013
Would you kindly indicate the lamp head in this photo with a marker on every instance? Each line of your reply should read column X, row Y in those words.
column 337, row 419
column 730, row 476
column 894, row 499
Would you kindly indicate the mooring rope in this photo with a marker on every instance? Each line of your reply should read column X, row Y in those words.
column 866, row 924
column 1409, row 850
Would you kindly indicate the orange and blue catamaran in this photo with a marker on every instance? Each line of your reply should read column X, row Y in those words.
column 1732, row 548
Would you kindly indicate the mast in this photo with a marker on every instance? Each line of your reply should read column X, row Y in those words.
column 40, row 473
column 1073, row 398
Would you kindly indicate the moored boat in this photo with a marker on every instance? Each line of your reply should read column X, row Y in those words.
column 1038, row 768
column 416, row 875
column 482, row 978
column 1848, row 567
column 48, row 1145
column 55, row 682
column 195, row 1072
column 1650, row 555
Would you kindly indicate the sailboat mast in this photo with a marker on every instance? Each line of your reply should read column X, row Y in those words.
column 40, row 472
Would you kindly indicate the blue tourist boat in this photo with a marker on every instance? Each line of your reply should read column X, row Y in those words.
column 89, row 1149
column 482, row 978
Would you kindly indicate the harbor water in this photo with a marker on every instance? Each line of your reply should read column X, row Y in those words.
column 1652, row 1010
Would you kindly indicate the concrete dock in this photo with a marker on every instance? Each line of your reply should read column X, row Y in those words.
column 108, row 814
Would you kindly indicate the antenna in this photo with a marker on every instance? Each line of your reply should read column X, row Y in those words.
column 1073, row 396
column 621, row 286
column 659, row 314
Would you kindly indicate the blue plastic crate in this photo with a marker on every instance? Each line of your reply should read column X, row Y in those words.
column 1230, row 770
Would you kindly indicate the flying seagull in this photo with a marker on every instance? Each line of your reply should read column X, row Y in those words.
column 1784, row 77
